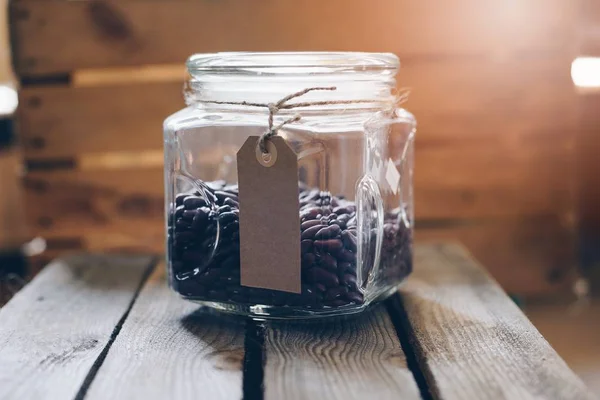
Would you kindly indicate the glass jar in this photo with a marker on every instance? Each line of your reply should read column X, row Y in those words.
column 354, row 148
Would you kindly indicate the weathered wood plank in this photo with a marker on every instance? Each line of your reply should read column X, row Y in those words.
column 164, row 351
column 352, row 358
column 53, row 331
column 110, row 33
column 473, row 342
column 457, row 103
column 531, row 257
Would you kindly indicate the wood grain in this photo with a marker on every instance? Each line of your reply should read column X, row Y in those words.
column 164, row 351
column 110, row 33
column 355, row 358
column 52, row 332
column 464, row 104
column 531, row 256
column 13, row 232
column 474, row 343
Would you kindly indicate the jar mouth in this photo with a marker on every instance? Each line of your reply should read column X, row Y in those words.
column 293, row 63
column 359, row 79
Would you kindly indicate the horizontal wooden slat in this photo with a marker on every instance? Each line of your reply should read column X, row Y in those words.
column 528, row 256
column 472, row 341
column 118, row 210
column 110, row 33
column 475, row 101
column 53, row 332
column 364, row 360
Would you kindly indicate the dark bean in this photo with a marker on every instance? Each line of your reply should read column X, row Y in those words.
column 201, row 218
column 351, row 222
column 306, row 246
column 319, row 275
column 346, row 255
column 194, row 256
column 331, row 245
column 231, row 203
column 179, row 211
column 231, row 262
column 345, row 267
column 320, row 287
column 193, row 202
column 341, row 210
column 311, row 232
column 349, row 281
column 310, row 213
column 223, row 209
column 225, row 195
column 349, row 241
column 184, row 236
column 227, row 217
column 328, row 261
column 355, row 297
column 336, row 293
column 189, row 215
column 308, row 260
column 328, row 232
column 309, row 224
column 182, row 224
column 180, row 198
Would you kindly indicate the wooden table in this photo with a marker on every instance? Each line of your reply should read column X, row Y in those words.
column 107, row 327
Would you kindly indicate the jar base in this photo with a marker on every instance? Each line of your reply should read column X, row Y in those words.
column 266, row 312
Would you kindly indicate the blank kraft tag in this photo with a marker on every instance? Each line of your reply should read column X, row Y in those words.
column 269, row 219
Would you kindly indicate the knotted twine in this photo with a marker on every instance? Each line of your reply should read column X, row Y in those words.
column 283, row 104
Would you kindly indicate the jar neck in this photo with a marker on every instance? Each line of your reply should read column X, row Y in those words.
column 345, row 94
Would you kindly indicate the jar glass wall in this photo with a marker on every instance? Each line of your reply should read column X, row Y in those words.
column 354, row 152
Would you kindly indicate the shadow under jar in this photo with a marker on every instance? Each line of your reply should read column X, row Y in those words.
column 355, row 163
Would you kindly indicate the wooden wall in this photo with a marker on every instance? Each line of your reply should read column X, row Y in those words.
column 588, row 147
column 490, row 87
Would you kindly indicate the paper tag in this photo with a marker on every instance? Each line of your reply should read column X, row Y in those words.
column 269, row 216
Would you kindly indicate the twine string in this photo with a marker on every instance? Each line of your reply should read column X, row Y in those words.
column 283, row 104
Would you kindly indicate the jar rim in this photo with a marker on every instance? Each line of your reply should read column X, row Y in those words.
column 292, row 63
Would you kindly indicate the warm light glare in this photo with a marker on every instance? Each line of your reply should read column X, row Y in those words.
column 585, row 72
column 8, row 100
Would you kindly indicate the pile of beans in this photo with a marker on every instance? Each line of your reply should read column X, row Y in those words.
column 205, row 263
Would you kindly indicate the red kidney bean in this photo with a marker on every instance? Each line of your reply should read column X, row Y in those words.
column 179, row 211
column 336, row 293
column 227, row 217
column 345, row 267
column 320, row 287
column 223, row 209
column 193, row 202
column 180, row 198
column 349, row 241
column 328, row 261
column 309, row 224
column 341, row 210
column 222, row 196
column 310, row 213
column 319, row 275
column 306, row 246
column 308, row 259
column 328, row 232
column 346, row 255
column 311, row 232
column 231, row 203
column 331, row 245
column 349, row 281
column 201, row 218
column 182, row 224
column 355, row 297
